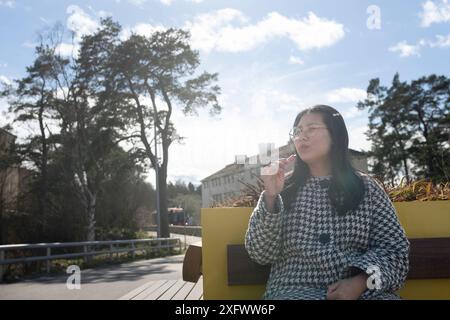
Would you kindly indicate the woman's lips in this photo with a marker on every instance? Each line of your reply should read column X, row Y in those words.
column 304, row 148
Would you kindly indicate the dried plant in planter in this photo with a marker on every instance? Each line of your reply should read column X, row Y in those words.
column 248, row 197
column 420, row 190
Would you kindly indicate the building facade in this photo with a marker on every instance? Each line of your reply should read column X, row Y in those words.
column 14, row 180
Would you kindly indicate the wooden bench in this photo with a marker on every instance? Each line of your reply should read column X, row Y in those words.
column 192, row 263
column 425, row 224
column 429, row 259
column 167, row 290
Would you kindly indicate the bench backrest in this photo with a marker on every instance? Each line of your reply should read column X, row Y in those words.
column 428, row 259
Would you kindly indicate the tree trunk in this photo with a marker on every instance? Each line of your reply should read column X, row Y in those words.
column 430, row 163
column 165, row 233
column 405, row 167
column 2, row 183
column 91, row 218
column 43, row 186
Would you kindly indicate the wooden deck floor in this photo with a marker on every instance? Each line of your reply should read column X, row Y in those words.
column 167, row 290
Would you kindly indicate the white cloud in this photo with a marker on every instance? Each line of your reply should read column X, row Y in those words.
column 169, row 2
column 5, row 80
column 435, row 12
column 136, row 2
column 139, row 3
column 104, row 14
column 295, row 60
column 29, row 44
column 80, row 22
column 267, row 101
column 229, row 30
column 432, row 12
column 67, row 49
column 407, row 50
column 441, row 41
column 9, row 3
column 44, row 20
column 346, row 95
column 357, row 139
column 5, row 116
column 207, row 27
column 352, row 112
column 100, row 13
column 147, row 29
column 142, row 29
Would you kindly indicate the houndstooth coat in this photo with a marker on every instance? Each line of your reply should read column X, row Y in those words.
column 309, row 247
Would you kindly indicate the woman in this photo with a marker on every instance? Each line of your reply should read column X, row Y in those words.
column 331, row 232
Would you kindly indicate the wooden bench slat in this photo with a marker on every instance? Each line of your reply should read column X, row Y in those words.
column 197, row 291
column 429, row 258
column 155, row 285
column 130, row 295
column 155, row 294
column 184, row 291
column 166, row 290
column 168, row 295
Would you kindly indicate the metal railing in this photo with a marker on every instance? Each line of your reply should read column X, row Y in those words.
column 187, row 230
column 87, row 253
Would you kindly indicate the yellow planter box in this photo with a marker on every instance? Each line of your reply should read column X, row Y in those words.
column 224, row 226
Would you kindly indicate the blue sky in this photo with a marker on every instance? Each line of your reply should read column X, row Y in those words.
column 274, row 58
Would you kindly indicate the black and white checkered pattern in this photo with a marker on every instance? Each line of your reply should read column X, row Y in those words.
column 310, row 247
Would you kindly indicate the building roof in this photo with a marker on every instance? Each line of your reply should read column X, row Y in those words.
column 229, row 168
column 3, row 131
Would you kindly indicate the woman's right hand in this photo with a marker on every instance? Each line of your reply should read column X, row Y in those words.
column 274, row 175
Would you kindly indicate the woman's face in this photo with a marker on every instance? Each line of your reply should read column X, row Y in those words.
column 313, row 140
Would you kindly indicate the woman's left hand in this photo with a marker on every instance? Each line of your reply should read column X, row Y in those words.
column 348, row 289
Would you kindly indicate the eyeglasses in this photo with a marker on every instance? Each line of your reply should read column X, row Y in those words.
column 296, row 132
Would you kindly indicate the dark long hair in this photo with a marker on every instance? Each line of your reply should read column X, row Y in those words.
column 346, row 189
